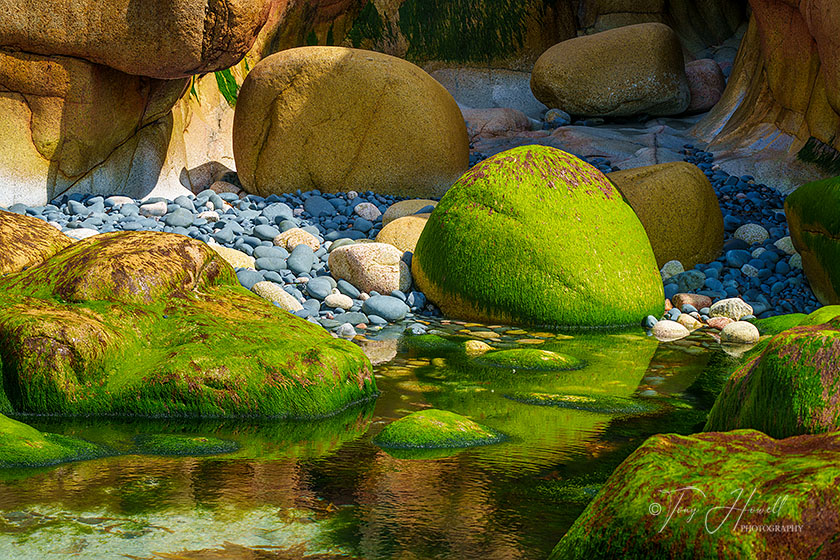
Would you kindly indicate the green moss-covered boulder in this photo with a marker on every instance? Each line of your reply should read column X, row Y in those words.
column 673, row 498
column 24, row 446
column 779, row 323
column 27, row 241
column 435, row 429
column 172, row 444
column 528, row 359
column 813, row 213
column 790, row 388
column 593, row 402
column 156, row 324
column 536, row 236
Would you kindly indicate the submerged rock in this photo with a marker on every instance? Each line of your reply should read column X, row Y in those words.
column 491, row 252
column 156, row 324
column 432, row 429
column 787, row 484
column 528, row 359
column 24, row 446
column 179, row 445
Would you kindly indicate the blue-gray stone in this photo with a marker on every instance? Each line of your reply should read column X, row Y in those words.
column 286, row 225
column 354, row 317
column 270, row 252
column 270, row 263
column 362, row 225
column 75, row 208
column 277, row 212
column 248, row 277
column 426, row 209
column 348, row 289
column 317, row 206
column 229, row 196
column 649, row 322
column 688, row 308
column 416, row 300
column 301, row 259
column 185, row 202
column 266, row 233
column 377, row 320
column 737, row 258
column 674, row 314
column 224, row 236
column 690, row 280
column 319, row 288
column 387, row 307
column 179, row 218
column 312, row 304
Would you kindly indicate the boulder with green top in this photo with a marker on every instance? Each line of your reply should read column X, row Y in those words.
column 24, row 446
column 674, row 498
column 27, row 241
column 435, row 429
column 789, row 389
column 156, row 324
column 813, row 213
column 536, row 236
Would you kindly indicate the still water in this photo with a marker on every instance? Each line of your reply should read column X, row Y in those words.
column 322, row 490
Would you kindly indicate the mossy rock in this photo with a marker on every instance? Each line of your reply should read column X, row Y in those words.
column 432, row 345
column 170, row 444
column 536, row 236
column 605, row 404
column 156, row 324
column 24, row 446
column 788, row 389
column 528, row 359
column 27, row 241
column 821, row 316
column 775, row 325
column 813, row 214
column 629, row 518
column 435, row 429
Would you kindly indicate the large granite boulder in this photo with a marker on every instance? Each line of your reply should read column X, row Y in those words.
column 625, row 71
column 339, row 119
column 813, row 213
column 789, row 389
column 738, row 495
column 536, row 236
column 156, row 324
column 656, row 192
column 27, row 241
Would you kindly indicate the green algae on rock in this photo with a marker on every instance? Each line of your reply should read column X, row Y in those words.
column 156, row 324
column 433, row 429
column 591, row 402
column 24, row 446
column 779, row 323
column 788, row 483
column 790, row 388
column 536, row 236
column 528, row 359
column 170, row 444
column 27, row 241
column 813, row 213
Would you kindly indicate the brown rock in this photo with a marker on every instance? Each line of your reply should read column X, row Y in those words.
column 403, row 233
column 668, row 305
column 158, row 38
column 625, row 71
column 706, row 83
column 27, row 241
column 291, row 238
column 719, row 322
column 655, row 192
column 697, row 300
column 496, row 121
column 405, row 208
column 371, row 266
column 340, row 119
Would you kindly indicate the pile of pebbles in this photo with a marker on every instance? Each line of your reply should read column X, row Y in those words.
column 250, row 225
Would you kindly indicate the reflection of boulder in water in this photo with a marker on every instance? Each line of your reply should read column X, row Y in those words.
column 591, row 403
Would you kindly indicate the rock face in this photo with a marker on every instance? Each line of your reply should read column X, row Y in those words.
column 156, row 324
column 625, row 71
column 339, row 119
column 789, row 389
column 492, row 253
column 655, row 191
column 783, row 94
column 635, row 515
column 158, row 38
column 813, row 213
column 27, row 241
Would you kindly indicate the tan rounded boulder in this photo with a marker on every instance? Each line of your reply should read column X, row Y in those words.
column 27, row 241
column 625, row 71
column 405, row 208
column 371, row 267
column 340, row 119
column 404, row 232
column 678, row 208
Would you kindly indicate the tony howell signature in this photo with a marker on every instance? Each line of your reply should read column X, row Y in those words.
column 682, row 503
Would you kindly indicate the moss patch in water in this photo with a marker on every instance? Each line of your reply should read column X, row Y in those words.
column 593, row 402
column 529, row 359
column 24, row 446
column 171, row 444
column 435, row 429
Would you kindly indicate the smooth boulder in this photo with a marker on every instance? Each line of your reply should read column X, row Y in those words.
column 695, row 233
column 620, row 72
column 560, row 248
column 27, row 241
column 340, row 119
column 404, row 232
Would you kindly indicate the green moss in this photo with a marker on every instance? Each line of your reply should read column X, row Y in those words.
column 24, row 446
column 779, row 323
column 466, row 30
column 528, row 359
column 434, row 429
column 788, row 389
column 227, row 86
column 582, row 257
column 184, row 344
column 622, row 522
column 591, row 402
column 432, row 345
column 820, row 154
column 169, row 444
column 821, row 316
column 367, row 27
